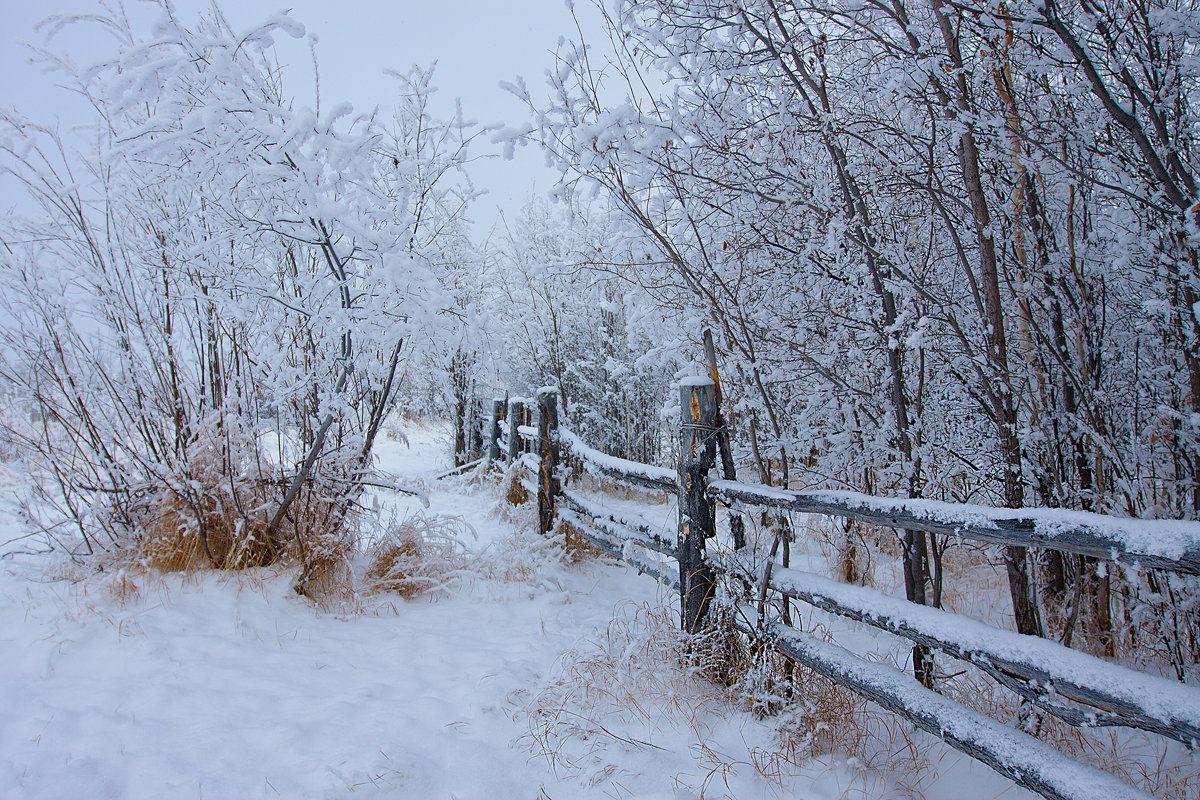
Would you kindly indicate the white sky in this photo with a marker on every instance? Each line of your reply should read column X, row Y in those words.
column 476, row 44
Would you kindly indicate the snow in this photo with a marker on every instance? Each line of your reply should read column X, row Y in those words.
column 230, row 685
column 214, row 689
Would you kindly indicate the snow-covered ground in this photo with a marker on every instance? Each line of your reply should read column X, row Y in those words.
column 547, row 682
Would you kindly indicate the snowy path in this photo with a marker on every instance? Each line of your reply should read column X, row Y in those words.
column 231, row 686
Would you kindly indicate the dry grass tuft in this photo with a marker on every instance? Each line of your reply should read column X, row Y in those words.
column 525, row 558
column 815, row 721
column 419, row 555
column 576, row 548
column 620, row 690
column 326, row 577
column 515, row 493
column 721, row 653
column 122, row 590
column 813, row 715
column 178, row 535
column 216, row 517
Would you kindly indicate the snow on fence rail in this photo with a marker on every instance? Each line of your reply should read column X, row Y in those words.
column 1148, row 544
column 1080, row 689
column 1039, row 670
column 645, row 476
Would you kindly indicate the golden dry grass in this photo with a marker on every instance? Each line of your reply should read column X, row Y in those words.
column 515, row 493
column 216, row 517
column 576, row 548
column 418, row 555
column 616, row 690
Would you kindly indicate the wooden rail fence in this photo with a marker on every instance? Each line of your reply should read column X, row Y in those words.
column 1078, row 688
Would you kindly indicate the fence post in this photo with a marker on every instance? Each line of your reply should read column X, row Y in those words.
column 493, row 453
column 737, row 525
column 461, row 436
column 475, row 430
column 697, row 518
column 530, row 445
column 516, row 418
column 547, row 399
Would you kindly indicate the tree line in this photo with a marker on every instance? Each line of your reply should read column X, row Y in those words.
column 950, row 249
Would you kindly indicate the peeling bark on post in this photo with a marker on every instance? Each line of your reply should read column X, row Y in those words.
column 737, row 525
column 493, row 453
column 697, row 519
column 529, row 445
column 516, row 418
column 475, row 429
column 548, row 452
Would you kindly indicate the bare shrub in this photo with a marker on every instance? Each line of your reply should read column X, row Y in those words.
column 166, row 309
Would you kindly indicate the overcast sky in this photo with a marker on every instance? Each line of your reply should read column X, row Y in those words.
column 476, row 44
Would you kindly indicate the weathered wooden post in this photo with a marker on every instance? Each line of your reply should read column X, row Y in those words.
column 493, row 452
column 737, row 525
column 476, row 429
column 461, row 437
column 547, row 399
column 516, row 418
column 697, row 519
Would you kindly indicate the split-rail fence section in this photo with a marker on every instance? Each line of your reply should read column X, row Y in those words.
column 1078, row 688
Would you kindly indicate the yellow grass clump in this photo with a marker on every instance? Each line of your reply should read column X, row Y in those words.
column 419, row 555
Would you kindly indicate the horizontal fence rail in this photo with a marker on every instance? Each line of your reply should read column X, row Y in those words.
column 628, row 527
column 616, row 545
column 1142, row 544
column 1040, row 670
column 644, row 476
column 1018, row 756
column 1080, row 689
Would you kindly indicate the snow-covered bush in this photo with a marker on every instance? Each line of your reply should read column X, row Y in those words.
column 214, row 305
